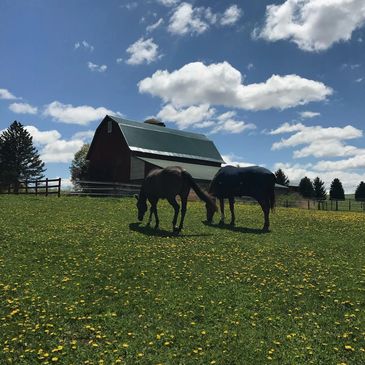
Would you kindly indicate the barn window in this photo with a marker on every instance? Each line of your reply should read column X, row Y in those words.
column 110, row 126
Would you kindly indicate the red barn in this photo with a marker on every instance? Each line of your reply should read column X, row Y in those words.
column 125, row 151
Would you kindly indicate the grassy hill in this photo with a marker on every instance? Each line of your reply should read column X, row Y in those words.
column 82, row 283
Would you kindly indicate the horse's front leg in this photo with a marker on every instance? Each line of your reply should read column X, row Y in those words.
column 184, row 200
column 154, row 211
column 231, row 208
column 221, row 205
column 176, row 207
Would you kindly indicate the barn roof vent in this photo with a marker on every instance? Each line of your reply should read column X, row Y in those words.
column 154, row 121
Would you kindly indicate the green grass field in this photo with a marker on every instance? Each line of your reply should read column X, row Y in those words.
column 82, row 283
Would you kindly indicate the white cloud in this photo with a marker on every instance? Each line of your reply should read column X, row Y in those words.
column 187, row 19
column 221, row 84
column 23, row 108
column 84, row 45
column 231, row 15
column 288, row 128
column 226, row 123
column 185, row 118
column 314, row 25
column 7, row 95
column 320, row 141
column 142, row 51
column 154, row 26
column 119, row 60
column 52, row 148
column 308, row 114
column 60, row 151
column 355, row 162
column 168, row 2
column 203, row 116
column 67, row 113
column 42, row 137
column 232, row 159
column 96, row 68
column 85, row 136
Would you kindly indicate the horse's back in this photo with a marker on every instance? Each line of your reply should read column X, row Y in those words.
column 164, row 183
column 239, row 181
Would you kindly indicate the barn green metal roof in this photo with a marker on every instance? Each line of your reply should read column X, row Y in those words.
column 200, row 172
column 148, row 138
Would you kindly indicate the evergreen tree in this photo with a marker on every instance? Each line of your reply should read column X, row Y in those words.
column 19, row 159
column 281, row 178
column 306, row 188
column 79, row 168
column 336, row 190
column 319, row 190
column 360, row 192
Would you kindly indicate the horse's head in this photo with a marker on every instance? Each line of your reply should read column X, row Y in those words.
column 211, row 209
column 141, row 207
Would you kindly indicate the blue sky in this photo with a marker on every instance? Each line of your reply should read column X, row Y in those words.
column 272, row 83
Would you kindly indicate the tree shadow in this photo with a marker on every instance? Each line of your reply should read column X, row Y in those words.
column 150, row 231
column 229, row 227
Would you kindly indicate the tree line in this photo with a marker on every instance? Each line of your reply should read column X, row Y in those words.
column 316, row 189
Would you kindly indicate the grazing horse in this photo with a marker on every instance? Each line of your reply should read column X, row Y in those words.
column 167, row 183
column 254, row 181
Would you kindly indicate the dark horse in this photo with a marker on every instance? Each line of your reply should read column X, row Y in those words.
column 254, row 181
column 167, row 183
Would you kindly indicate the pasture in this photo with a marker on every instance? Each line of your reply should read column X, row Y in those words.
column 82, row 283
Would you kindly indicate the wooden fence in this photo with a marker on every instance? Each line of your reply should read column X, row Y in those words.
column 38, row 187
column 103, row 188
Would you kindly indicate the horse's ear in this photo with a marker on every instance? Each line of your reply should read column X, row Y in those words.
column 136, row 196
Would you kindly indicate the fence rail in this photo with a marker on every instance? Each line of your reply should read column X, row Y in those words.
column 103, row 188
column 38, row 187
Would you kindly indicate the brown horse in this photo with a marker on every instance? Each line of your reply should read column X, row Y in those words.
column 167, row 183
column 254, row 181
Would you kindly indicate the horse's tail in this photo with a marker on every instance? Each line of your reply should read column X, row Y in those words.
column 202, row 195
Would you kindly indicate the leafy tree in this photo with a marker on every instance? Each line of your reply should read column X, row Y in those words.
column 19, row 159
column 79, row 168
column 319, row 189
column 336, row 190
column 306, row 187
column 281, row 178
column 360, row 192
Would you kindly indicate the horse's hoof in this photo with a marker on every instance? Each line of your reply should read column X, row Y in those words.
column 221, row 223
column 232, row 224
column 155, row 228
column 176, row 229
column 265, row 229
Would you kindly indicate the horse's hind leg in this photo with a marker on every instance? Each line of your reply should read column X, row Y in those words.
column 221, row 205
column 176, row 207
column 231, row 207
column 265, row 206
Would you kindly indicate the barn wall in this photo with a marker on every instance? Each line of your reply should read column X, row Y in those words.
column 109, row 154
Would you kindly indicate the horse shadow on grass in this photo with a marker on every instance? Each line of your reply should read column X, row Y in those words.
column 150, row 231
column 231, row 228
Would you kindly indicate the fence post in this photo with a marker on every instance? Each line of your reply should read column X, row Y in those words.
column 59, row 187
column 26, row 186
column 336, row 205
column 308, row 205
column 47, row 186
column 349, row 204
column 36, row 187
